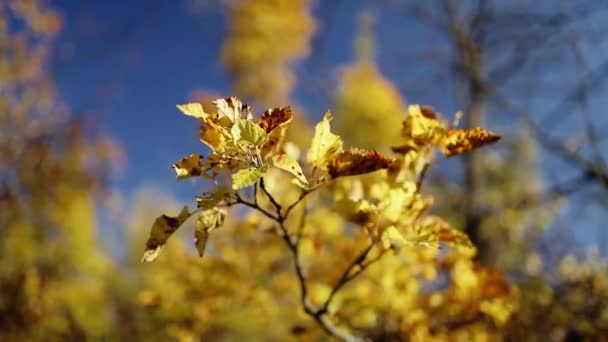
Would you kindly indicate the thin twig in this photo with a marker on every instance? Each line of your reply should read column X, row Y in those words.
column 239, row 199
column 425, row 168
column 316, row 313
column 346, row 275
column 300, row 198
column 271, row 198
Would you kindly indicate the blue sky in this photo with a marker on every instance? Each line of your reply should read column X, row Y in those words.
column 128, row 63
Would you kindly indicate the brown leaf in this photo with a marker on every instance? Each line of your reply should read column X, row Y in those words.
column 164, row 226
column 275, row 117
column 189, row 166
column 356, row 162
column 457, row 141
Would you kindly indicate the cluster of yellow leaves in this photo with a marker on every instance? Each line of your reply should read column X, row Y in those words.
column 423, row 127
column 249, row 148
column 367, row 188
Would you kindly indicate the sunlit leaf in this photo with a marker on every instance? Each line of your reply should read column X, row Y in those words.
column 246, row 177
column 422, row 126
column 247, row 130
column 456, row 141
column 214, row 136
column 164, row 226
column 392, row 238
column 194, row 109
column 324, row 144
column 233, row 109
column 189, row 166
column 398, row 200
column 285, row 162
column 442, row 231
column 356, row 162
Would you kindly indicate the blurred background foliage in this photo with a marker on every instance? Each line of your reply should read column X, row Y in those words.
column 529, row 281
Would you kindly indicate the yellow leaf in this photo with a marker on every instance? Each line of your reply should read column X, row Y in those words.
column 356, row 162
column 324, row 144
column 189, row 166
column 392, row 238
column 164, row 226
column 233, row 109
column 398, row 200
column 214, row 136
column 422, row 126
column 246, row 177
column 442, row 231
column 285, row 162
column 194, row 109
column 247, row 130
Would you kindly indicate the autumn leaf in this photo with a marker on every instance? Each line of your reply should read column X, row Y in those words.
column 207, row 221
column 422, row 126
column 164, row 226
column 274, row 118
column 214, row 136
column 189, row 166
column 392, row 238
column 274, row 142
column 211, row 200
column 233, row 109
column 246, row 177
column 443, row 232
column 287, row 163
column 247, row 130
column 457, row 141
column 324, row 144
column 357, row 162
column 194, row 110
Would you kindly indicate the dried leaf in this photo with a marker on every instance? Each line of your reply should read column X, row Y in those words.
column 233, row 109
column 189, row 166
column 456, row 141
column 274, row 118
column 164, row 226
column 357, row 162
column 324, row 144
column 285, row 162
